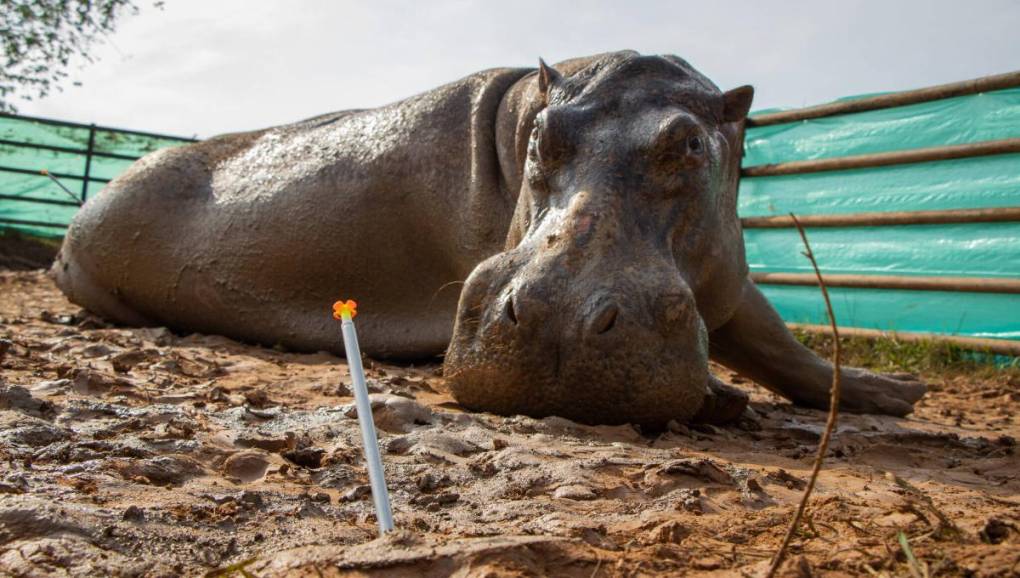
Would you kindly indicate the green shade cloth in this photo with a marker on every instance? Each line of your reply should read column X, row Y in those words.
column 971, row 314
column 965, row 250
column 70, row 164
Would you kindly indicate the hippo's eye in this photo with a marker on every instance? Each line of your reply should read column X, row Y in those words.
column 695, row 145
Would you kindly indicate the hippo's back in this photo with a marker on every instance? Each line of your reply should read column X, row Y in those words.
column 252, row 235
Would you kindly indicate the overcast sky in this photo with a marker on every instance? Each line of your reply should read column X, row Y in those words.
column 203, row 67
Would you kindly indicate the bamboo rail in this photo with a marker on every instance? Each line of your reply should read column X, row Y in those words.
column 32, row 223
column 53, row 122
column 1000, row 346
column 950, row 90
column 928, row 154
column 40, row 201
column 949, row 152
column 994, row 215
column 916, row 283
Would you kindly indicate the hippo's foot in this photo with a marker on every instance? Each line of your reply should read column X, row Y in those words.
column 862, row 391
column 723, row 404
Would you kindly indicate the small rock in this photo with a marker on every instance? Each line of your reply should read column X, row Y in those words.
column 321, row 497
column 787, row 479
column 188, row 367
column 257, row 398
column 394, row 413
column 217, row 393
column 689, row 500
column 430, row 482
column 310, row 510
column 434, row 502
column 448, row 497
column 995, row 531
column 58, row 319
column 337, row 476
column 399, row 445
column 671, row 532
column 271, row 443
column 678, row 428
column 95, row 350
column 247, row 466
column 342, row 455
column 251, row 499
column 14, row 484
column 574, row 492
column 270, row 413
column 18, row 398
column 17, row 429
column 91, row 382
column 710, row 562
column 160, row 336
column 356, row 494
column 126, row 361
column 166, row 470
column 306, row 457
column 54, row 386
column 436, row 442
column 698, row 468
column 134, row 514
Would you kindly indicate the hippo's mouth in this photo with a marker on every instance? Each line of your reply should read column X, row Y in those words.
column 645, row 388
column 517, row 349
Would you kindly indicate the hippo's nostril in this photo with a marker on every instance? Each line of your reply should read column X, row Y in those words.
column 605, row 320
column 508, row 309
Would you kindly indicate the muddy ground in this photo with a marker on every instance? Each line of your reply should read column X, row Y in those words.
column 140, row 452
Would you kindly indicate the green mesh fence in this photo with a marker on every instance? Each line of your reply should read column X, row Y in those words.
column 80, row 158
column 963, row 250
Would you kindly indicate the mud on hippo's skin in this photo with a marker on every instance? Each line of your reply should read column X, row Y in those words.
column 591, row 208
column 625, row 219
column 522, row 346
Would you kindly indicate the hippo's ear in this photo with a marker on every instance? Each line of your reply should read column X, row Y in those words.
column 737, row 103
column 547, row 76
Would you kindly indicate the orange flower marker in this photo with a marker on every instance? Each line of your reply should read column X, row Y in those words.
column 342, row 308
column 344, row 311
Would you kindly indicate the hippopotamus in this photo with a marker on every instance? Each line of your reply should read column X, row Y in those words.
column 567, row 236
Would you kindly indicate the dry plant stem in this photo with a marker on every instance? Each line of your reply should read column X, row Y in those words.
column 830, row 424
column 76, row 198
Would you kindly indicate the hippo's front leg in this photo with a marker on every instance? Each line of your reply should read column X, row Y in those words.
column 756, row 343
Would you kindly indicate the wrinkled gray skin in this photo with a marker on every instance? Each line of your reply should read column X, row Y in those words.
column 591, row 208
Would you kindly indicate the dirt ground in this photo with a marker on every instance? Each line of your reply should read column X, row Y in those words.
column 143, row 453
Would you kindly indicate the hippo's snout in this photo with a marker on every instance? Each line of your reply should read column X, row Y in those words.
column 531, row 312
column 551, row 333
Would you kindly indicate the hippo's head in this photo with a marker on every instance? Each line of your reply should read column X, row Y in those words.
column 624, row 252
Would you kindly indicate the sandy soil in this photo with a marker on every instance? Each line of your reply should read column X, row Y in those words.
column 139, row 452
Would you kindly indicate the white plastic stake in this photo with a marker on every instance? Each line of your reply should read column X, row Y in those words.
column 380, row 495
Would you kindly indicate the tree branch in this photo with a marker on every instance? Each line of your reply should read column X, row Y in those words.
column 830, row 424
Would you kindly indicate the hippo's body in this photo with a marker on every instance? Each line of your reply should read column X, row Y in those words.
column 625, row 254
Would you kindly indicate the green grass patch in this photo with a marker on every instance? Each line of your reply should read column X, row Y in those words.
column 929, row 356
